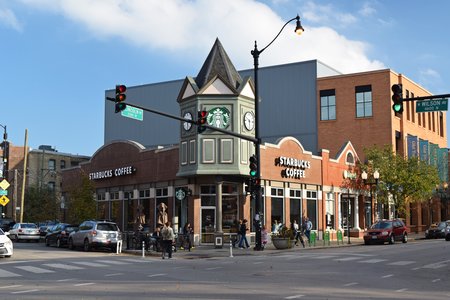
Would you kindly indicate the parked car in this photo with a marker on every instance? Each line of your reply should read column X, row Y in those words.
column 6, row 245
column 447, row 231
column 58, row 235
column 6, row 224
column 436, row 230
column 95, row 234
column 24, row 231
column 386, row 231
column 45, row 226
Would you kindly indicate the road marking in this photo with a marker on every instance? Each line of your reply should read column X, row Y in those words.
column 63, row 266
column 113, row 262
column 351, row 283
column 214, row 268
column 258, row 262
column 347, row 258
column 10, row 286
column 415, row 269
column 372, row 261
column 34, row 269
column 402, row 263
column 387, row 276
column 436, row 280
column 294, row 297
column 89, row 264
column 401, row 290
column 114, row 274
column 156, row 275
column 323, row 257
column 4, row 273
column 83, row 284
column 23, row 292
column 136, row 260
column 67, row 279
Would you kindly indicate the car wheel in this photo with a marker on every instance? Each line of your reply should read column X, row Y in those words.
column 366, row 243
column 447, row 237
column 71, row 247
column 405, row 238
column 47, row 242
column 86, row 246
column 391, row 239
column 58, row 243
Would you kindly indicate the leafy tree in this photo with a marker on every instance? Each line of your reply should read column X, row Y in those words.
column 40, row 205
column 81, row 201
column 403, row 180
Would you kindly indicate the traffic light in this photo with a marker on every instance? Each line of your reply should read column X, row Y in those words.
column 120, row 98
column 397, row 97
column 248, row 186
column 201, row 120
column 253, row 166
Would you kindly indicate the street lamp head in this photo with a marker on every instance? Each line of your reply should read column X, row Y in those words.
column 376, row 175
column 299, row 29
column 364, row 175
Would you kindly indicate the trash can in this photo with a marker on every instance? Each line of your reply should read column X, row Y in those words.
column 218, row 239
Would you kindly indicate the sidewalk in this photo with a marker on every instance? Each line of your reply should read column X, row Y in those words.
column 209, row 251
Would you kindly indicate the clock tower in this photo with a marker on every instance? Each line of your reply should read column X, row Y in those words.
column 228, row 101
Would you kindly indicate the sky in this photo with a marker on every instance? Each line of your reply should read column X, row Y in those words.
column 57, row 57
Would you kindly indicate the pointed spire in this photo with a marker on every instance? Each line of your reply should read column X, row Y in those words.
column 218, row 63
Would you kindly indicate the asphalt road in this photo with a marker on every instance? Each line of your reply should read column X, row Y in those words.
column 417, row 270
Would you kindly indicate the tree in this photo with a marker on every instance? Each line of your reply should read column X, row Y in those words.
column 81, row 203
column 40, row 205
column 403, row 180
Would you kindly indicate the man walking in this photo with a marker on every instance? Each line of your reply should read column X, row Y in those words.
column 167, row 240
column 308, row 228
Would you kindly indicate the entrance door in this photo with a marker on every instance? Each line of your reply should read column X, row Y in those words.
column 208, row 219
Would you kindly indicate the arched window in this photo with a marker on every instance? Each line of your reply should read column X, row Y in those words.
column 350, row 158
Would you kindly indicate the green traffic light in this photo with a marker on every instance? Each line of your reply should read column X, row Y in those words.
column 397, row 107
column 253, row 173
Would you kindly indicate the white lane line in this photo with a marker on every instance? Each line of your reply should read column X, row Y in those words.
column 84, row 284
column 401, row 263
column 64, row 280
column 63, row 266
column 157, row 275
column 258, row 262
column 213, row 268
column 294, row 297
column 415, row 269
column 323, row 257
column 137, row 260
column 10, row 286
column 401, row 290
column 347, row 258
column 24, row 292
column 351, row 283
column 34, row 269
column 4, row 273
column 114, row 274
column 371, row 261
column 387, row 276
column 113, row 262
column 436, row 280
column 89, row 264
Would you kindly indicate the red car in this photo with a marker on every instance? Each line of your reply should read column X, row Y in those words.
column 386, row 231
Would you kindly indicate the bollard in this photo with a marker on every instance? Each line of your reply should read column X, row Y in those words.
column 326, row 238
column 143, row 248
column 340, row 237
column 231, row 247
column 119, row 246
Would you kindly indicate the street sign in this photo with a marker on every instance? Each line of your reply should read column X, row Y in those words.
column 133, row 113
column 4, row 200
column 432, row 105
column 4, row 184
column 3, row 192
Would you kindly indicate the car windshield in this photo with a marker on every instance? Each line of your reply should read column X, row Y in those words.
column 382, row 225
column 71, row 228
column 107, row 227
column 28, row 225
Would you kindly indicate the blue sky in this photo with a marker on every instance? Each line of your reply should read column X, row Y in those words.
column 58, row 57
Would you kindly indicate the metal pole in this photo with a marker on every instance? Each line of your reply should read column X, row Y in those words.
column 25, row 156
column 348, row 217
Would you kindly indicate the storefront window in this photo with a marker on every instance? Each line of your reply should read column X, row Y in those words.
column 161, row 209
column 295, row 205
column 329, row 217
column 277, row 205
column 207, row 213
column 311, row 207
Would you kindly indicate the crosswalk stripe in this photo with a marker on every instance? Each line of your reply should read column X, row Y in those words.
column 113, row 262
column 34, row 269
column 136, row 260
column 4, row 273
column 372, row 261
column 402, row 263
column 347, row 258
column 88, row 264
column 63, row 266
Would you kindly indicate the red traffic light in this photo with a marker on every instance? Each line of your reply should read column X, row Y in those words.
column 201, row 120
column 120, row 90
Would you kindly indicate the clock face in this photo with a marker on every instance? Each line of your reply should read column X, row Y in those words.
column 187, row 125
column 249, row 120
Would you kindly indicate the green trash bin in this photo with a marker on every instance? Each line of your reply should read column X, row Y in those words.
column 340, row 237
column 326, row 238
column 312, row 239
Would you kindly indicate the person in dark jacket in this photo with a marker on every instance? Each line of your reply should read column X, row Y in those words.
column 242, row 231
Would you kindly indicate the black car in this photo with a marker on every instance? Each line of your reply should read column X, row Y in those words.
column 436, row 230
column 58, row 235
column 6, row 224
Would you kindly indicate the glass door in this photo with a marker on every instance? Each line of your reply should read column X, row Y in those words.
column 208, row 221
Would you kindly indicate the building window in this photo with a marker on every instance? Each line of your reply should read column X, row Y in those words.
column 192, row 152
column 441, row 124
column 62, row 164
column 144, row 193
column 350, row 159
column 329, row 217
column 363, row 101
column 226, row 153
column 208, row 151
column 311, row 207
column 184, row 153
column 327, row 105
column 52, row 164
column 413, row 108
column 295, row 205
column 162, row 202
column 277, row 205
column 51, row 186
column 408, row 105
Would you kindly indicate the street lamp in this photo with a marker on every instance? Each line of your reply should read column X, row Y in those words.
column 4, row 157
column 376, row 176
column 255, row 53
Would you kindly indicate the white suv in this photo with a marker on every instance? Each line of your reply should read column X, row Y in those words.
column 95, row 234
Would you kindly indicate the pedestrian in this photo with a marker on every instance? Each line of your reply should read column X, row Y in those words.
column 264, row 237
column 276, row 226
column 308, row 228
column 297, row 234
column 167, row 237
column 243, row 231
column 238, row 234
column 187, row 236
column 156, row 236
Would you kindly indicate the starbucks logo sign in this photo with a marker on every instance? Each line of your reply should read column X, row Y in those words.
column 218, row 117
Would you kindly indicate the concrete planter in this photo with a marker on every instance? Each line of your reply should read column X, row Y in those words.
column 281, row 243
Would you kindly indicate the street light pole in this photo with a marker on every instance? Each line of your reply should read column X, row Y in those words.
column 4, row 156
column 376, row 176
column 258, row 203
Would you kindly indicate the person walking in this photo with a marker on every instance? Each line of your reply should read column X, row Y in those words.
column 187, row 236
column 297, row 234
column 308, row 228
column 264, row 237
column 243, row 231
column 167, row 238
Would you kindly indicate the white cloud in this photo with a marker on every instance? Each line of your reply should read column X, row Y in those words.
column 327, row 15
column 367, row 9
column 8, row 18
column 188, row 29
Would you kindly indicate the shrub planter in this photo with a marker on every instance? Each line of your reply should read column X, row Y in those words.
column 281, row 243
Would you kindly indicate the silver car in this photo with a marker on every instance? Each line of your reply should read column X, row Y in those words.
column 95, row 234
column 24, row 231
column 447, row 231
